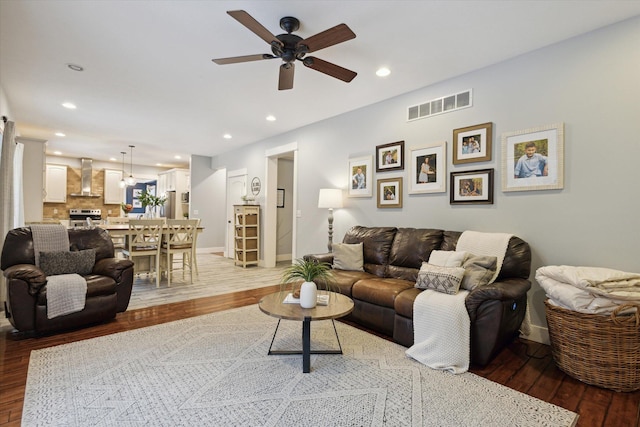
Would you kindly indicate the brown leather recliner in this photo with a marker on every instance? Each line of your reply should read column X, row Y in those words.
column 108, row 285
column 384, row 292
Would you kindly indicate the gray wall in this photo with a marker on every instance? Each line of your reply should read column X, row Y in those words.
column 590, row 83
column 207, row 202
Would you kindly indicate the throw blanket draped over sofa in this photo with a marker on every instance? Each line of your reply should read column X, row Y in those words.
column 383, row 286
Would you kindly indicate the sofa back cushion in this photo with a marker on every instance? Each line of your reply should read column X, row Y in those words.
column 18, row 245
column 376, row 245
column 411, row 247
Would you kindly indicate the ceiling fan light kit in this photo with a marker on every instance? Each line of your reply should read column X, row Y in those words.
column 291, row 47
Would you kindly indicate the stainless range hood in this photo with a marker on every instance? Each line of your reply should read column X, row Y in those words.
column 86, row 173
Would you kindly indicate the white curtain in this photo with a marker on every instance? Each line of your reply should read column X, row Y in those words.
column 11, row 201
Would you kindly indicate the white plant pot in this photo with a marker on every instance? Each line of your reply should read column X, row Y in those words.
column 308, row 295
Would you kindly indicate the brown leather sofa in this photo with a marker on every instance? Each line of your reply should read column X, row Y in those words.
column 108, row 285
column 384, row 292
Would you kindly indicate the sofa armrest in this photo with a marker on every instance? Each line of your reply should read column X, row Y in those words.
column 28, row 273
column 326, row 257
column 112, row 267
column 505, row 290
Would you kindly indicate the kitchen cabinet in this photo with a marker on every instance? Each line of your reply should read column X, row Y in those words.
column 174, row 180
column 247, row 238
column 55, row 184
column 113, row 193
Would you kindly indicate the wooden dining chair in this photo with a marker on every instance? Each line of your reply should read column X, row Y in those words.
column 119, row 242
column 180, row 237
column 144, row 240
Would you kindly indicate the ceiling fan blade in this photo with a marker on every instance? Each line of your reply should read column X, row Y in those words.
column 338, row 34
column 330, row 69
column 257, row 28
column 246, row 58
column 286, row 76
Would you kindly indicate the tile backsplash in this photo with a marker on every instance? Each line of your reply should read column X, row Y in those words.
column 73, row 186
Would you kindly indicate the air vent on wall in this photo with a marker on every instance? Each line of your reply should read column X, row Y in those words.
column 446, row 104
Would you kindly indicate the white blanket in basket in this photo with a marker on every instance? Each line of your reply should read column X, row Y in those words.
column 591, row 290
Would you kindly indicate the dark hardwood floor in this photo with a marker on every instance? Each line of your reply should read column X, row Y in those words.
column 524, row 365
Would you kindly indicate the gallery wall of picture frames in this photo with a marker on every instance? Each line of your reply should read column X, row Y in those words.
column 532, row 159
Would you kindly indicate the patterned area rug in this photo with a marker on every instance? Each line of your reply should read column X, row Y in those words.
column 214, row 370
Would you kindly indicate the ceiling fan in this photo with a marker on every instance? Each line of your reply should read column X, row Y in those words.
column 290, row 47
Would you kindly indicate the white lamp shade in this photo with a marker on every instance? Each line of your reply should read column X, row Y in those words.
column 330, row 198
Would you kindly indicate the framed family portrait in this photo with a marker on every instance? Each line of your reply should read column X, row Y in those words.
column 472, row 144
column 533, row 159
column 427, row 169
column 390, row 157
column 390, row 193
column 472, row 187
column 360, row 177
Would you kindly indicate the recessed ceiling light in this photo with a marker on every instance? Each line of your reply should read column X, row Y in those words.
column 271, row 118
column 383, row 72
column 158, row 164
column 113, row 159
column 177, row 157
column 60, row 134
column 227, row 136
column 69, row 106
column 75, row 67
column 57, row 153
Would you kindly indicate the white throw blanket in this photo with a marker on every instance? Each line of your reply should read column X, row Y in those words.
column 49, row 238
column 591, row 290
column 441, row 324
column 441, row 331
column 66, row 293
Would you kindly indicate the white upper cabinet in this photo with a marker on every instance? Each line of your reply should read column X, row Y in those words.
column 113, row 193
column 55, row 184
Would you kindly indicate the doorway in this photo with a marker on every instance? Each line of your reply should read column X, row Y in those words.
column 273, row 159
column 236, row 188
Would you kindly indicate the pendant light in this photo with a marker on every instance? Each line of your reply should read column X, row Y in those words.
column 123, row 183
column 131, row 180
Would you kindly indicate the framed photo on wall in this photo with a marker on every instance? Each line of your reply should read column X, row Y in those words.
column 472, row 144
column 360, row 177
column 390, row 157
column 428, row 169
column 472, row 187
column 533, row 159
column 390, row 193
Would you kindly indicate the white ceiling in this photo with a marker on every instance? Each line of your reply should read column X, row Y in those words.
column 148, row 79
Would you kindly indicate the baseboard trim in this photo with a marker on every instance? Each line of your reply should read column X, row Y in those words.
column 284, row 257
column 538, row 334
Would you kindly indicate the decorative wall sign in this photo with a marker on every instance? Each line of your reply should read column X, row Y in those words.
column 256, row 186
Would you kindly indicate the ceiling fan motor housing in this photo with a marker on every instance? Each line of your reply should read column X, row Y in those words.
column 289, row 51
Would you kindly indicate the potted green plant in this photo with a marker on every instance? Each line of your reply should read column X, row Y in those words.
column 308, row 271
column 148, row 199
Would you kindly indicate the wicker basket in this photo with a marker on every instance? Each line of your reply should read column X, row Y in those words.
column 596, row 349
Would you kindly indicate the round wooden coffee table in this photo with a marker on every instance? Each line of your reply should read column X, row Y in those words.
column 339, row 305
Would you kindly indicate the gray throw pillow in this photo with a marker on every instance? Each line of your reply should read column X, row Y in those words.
column 442, row 279
column 348, row 256
column 478, row 271
column 66, row 262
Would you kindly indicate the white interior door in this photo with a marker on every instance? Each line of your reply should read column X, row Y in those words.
column 236, row 188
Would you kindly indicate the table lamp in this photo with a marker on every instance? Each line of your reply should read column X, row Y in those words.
column 330, row 198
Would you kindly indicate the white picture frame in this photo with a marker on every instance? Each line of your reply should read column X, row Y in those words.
column 436, row 174
column 360, row 177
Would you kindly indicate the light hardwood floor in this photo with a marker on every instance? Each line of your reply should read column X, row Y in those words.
column 524, row 365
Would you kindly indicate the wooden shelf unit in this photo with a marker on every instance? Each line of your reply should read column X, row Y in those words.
column 247, row 237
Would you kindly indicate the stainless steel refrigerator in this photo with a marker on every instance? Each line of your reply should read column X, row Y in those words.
column 170, row 206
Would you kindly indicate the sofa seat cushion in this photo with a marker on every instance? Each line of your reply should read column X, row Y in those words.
column 344, row 280
column 96, row 286
column 403, row 304
column 380, row 291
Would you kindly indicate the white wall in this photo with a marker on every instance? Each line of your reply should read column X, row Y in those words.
column 590, row 83
column 207, row 202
